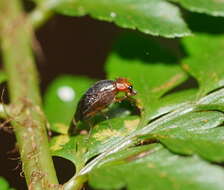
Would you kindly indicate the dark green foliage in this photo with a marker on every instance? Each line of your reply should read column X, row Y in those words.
column 172, row 135
column 191, row 129
column 4, row 184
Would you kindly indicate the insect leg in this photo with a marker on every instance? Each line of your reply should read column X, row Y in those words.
column 120, row 99
column 106, row 118
column 73, row 128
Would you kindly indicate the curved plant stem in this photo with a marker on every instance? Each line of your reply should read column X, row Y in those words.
column 28, row 119
column 40, row 15
column 43, row 11
column 75, row 183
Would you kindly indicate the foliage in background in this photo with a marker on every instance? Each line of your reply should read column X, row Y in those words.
column 177, row 140
column 4, row 184
column 192, row 124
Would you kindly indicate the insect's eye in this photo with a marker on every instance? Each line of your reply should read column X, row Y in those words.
column 130, row 88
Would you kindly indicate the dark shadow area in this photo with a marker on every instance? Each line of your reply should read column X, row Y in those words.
column 4, row 95
column 204, row 23
column 201, row 23
column 65, row 169
column 116, row 110
column 134, row 45
column 72, row 45
column 173, row 45
column 28, row 5
column 190, row 83
column 122, row 109
column 10, row 161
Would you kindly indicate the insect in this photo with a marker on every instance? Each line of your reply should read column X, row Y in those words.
column 101, row 95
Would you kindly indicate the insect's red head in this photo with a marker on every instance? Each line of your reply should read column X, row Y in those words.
column 123, row 85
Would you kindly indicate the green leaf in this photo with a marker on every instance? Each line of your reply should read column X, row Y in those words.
column 211, row 7
column 156, row 168
column 213, row 101
column 199, row 121
column 171, row 102
column 4, row 185
column 80, row 149
column 107, row 140
column 183, row 121
column 60, row 100
column 153, row 70
column 156, row 17
column 204, row 60
column 142, row 63
column 199, row 136
column 113, row 141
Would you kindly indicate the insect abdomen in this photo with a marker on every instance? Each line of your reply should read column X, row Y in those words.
column 99, row 96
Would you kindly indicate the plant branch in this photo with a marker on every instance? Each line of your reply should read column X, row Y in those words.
column 75, row 183
column 43, row 11
column 29, row 121
column 40, row 15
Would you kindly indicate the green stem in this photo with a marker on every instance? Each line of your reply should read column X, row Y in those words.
column 40, row 15
column 75, row 183
column 43, row 11
column 29, row 121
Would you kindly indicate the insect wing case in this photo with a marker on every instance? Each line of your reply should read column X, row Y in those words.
column 99, row 96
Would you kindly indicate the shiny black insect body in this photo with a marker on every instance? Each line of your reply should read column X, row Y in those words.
column 101, row 95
